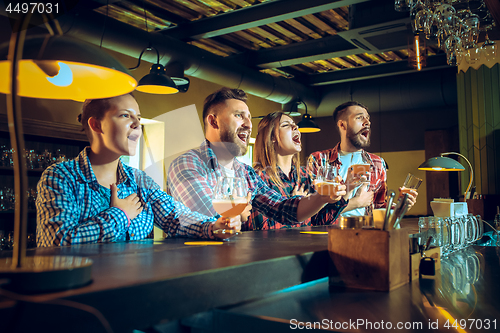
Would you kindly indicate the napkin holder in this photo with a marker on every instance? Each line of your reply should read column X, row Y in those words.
column 369, row 259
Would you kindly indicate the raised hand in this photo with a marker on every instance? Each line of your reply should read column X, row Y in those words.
column 412, row 196
column 131, row 205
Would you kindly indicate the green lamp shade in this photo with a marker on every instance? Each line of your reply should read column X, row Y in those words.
column 157, row 82
column 307, row 124
column 441, row 164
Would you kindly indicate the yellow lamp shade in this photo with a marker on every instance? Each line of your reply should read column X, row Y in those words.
column 157, row 82
column 307, row 124
column 441, row 164
column 59, row 67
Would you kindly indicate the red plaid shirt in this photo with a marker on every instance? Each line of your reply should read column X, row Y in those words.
column 328, row 215
column 193, row 176
column 378, row 172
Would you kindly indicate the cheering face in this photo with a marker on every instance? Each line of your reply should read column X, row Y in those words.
column 121, row 127
column 235, row 126
column 358, row 127
column 289, row 137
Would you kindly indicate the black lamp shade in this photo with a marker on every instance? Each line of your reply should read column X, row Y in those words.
column 441, row 164
column 307, row 124
column 157, row 82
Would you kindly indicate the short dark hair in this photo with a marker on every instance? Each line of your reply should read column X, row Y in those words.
column 339, row 112
column 219, row 97
column 95, row 108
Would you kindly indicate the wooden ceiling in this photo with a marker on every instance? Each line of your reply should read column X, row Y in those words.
column 289, row 38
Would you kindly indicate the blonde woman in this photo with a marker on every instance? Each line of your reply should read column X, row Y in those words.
column 277, row 149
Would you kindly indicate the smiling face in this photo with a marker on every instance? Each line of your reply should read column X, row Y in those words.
column 120, row 126
column 358, row 124
column 288, row 135
column 235, row 126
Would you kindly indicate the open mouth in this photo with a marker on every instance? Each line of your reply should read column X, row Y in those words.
column 365, row 133
column 243, row 137
column 134, row 136
column 296, row 139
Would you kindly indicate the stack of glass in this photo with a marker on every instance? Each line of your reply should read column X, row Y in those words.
column 451, row 233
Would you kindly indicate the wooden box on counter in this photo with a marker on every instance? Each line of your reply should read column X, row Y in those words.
column 369, row 259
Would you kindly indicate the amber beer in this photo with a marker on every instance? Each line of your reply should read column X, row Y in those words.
column 327, row 188
column 229, row 208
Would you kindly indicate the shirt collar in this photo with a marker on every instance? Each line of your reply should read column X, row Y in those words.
column 334, row 156
column 87, row 175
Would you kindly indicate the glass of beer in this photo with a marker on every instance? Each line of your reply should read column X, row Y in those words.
column 230, row 198
column 327, row 181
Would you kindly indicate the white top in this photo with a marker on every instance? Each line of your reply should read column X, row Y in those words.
column 348, row 159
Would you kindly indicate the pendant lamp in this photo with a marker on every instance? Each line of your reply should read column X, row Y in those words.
column 53, row 67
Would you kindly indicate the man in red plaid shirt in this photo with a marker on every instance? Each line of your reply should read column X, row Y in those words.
column 192, row 176
column 353, row 123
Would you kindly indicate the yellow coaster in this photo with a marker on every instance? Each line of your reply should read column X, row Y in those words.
column 203, row 243
column 315, row 232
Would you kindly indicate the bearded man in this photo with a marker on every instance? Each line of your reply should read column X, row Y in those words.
column 192, row 176
column 354, row 126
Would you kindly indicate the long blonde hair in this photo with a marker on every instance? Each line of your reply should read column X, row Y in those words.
column 265, row 152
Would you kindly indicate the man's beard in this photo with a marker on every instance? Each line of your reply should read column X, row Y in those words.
column 354, row 138
column 232, row 142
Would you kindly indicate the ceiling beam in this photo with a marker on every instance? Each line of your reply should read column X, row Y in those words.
column 160, row 12
column 298, row 53
column 373, row 71
column 251, row 17
column 345, row 43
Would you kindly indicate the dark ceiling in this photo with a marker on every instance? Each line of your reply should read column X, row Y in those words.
column 312, row 42
column 309, row 44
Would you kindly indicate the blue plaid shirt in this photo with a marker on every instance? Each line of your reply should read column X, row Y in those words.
column 73, row 208
column 193, row 176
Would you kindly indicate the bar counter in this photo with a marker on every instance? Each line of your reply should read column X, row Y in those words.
column 137, row 285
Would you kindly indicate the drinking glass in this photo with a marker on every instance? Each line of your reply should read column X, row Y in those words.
column 230, row 198
column 471, row 229
column 472, row 55
column 489, row 48
column 412, row 182
column 327, row 180
column 427, row 228
column 315, row 164
column 447, row 240
column 359, row 174
column 479, row 224
column 458, row 234
column 438, row 231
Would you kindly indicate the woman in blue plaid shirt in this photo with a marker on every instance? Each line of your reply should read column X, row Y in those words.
column 95, row 198
column 277, row 149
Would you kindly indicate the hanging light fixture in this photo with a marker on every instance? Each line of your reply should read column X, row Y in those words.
column 60, row 67
column 291, row 109
column 53, row 67
column 157, row 81
column 417, row 56
column 307, row 124
column 454, row 25
column 176, row 72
